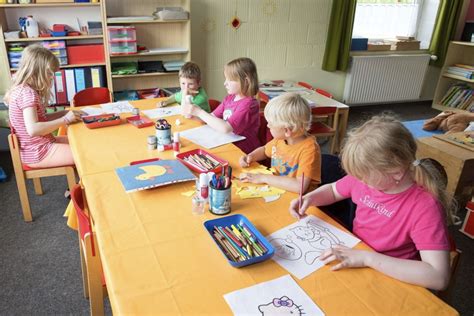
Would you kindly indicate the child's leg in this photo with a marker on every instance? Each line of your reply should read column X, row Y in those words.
column 59, row 155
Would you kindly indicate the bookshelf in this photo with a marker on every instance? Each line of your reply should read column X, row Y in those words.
column 48, row 14
column 168, row 40
column 458, row 53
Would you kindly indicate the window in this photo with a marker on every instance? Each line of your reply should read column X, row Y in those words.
column 386, row 19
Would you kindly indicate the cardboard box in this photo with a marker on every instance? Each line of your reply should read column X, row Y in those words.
column 404, row 45
column 378, row 47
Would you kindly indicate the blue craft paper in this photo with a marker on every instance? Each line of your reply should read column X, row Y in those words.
column 416, row 128
column 153, row 174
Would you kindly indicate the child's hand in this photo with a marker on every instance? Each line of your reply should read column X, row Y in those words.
column 189, row 109
column 161, row 104
column 192, row 92
column 256, row 178
column 294, row 209
column 245, row 161
column 73, row 116
column 349, row 258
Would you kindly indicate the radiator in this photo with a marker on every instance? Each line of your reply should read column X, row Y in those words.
column 385, row 78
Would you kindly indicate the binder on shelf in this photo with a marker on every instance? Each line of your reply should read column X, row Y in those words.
column 61, row 95
column 97, row 74
column 88, row 77
column 70, row 84
column 80, row 79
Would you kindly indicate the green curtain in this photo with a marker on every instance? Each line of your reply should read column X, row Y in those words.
column 444, row 29
column 338, row 42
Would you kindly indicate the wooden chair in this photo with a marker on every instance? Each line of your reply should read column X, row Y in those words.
column 328, row 127
column 92, row 274
column 213, row 104
column 23, row 172
column 91, row 96
column 324, row 92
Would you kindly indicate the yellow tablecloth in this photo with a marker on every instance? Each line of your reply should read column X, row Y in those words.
column 159, row 259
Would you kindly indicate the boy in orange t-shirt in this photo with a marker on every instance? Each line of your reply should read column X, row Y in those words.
column 293, row 151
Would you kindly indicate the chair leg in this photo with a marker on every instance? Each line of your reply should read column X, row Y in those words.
column 37, row 185
column 85, row 283
column 71, row 178
column 96, row 296
column 25, row 204
column 332, row 147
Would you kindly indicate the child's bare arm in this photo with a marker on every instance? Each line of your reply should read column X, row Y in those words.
column 432, row 272
column 256, row 155
column 170, row 100
column 324, row 195
column 36, row 128
column 216, row 123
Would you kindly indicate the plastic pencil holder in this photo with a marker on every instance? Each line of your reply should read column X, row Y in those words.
column 163, row 136
column 219, row 200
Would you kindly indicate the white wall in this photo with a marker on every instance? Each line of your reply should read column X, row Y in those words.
column 285, row 38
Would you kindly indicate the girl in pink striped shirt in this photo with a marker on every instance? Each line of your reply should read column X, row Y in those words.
column 26, row 100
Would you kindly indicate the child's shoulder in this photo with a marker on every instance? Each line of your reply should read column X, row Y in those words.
column 23, row 91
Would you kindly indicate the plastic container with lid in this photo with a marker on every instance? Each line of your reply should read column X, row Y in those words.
column 121, row 33
column 125, row 47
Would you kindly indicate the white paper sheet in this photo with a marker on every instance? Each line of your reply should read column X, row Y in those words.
column 207, row 137
column 281, row 296
column 117, row 107
column 163, row 112
column 298, row 246
column 92, row 110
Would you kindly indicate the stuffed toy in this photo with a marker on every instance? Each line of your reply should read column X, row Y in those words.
column 449, row 122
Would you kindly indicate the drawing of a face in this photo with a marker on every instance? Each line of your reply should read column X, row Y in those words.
column 281, row 306
column 303, row 233
column 286, row 249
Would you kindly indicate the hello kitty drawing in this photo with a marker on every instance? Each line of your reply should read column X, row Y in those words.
column 281, row 306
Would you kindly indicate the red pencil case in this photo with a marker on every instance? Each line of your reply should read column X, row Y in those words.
column 205, row 162
column 102, row 120
column 140, row 121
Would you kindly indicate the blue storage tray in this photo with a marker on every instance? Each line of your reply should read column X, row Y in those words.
column 239, row 220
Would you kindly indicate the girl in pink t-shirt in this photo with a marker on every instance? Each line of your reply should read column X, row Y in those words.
column 26, row 99
column 238, row 112
column 400, row 202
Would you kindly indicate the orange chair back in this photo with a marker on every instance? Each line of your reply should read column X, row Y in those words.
column 305, row 84
column 213, row 104
column 324, row 92
column 91, row 96
column 83, row 219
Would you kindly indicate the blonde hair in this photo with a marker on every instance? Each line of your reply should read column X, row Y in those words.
column 243, row 70
column 383, row 144
column 289, row 110
column 37, row 67
column 190, row 70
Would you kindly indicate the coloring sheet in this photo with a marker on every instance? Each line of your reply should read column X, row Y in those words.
column 207, row 137
column 163, row 112
column 282, row 296
column 92, row 110
column 117, row 107
column 298, row 246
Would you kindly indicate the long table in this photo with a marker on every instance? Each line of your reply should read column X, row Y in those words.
column 158, row 258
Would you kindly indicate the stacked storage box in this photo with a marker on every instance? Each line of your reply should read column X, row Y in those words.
column 14, row 55
column 122, row 40
column 58, row 48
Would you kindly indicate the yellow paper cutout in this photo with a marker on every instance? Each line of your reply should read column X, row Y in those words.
column 188, row 193
column 252, row 192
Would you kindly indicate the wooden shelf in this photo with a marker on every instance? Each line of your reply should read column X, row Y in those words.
column 447, row 75
column 55, row 4
column 157, row 53
column 151, row 74
column 144, row 21
column 57, row 38
column 446, row 108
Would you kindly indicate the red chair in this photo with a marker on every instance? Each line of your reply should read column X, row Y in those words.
column 91, row 96
column 264, row 135
column 324, row 92
column 328, row 127
column 92, row 275
column 305, row 85
column 213, row 104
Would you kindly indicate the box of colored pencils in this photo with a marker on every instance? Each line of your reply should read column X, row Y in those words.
column 101, row 120
column 201, row 161
column 240, row 242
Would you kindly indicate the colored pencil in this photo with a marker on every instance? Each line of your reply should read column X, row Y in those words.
column 301, row 192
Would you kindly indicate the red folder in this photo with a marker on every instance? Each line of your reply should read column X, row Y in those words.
column 61, row 92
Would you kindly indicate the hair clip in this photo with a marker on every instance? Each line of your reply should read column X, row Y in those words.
column 416, row 162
